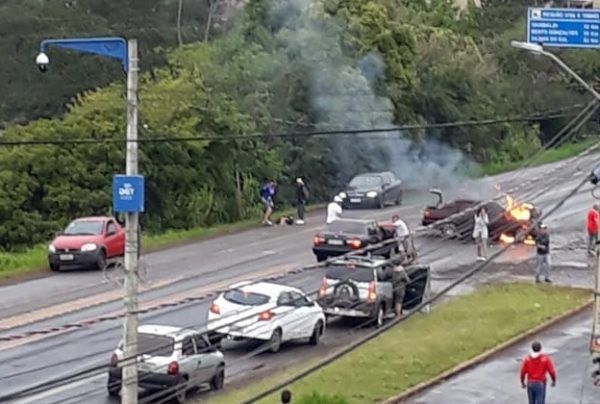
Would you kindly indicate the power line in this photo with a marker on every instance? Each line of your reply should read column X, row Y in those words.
column 330, row 132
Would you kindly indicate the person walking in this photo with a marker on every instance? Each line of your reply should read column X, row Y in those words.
column 267, row 192
column 534, row 368
column 334, row 210
column 542, row 244
column 301, row 199
column 593, row 217
column 480, row 233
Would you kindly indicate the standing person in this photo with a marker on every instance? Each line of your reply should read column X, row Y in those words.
column 334, row 210
column 266, row 195
column 402, row 231
column 301, row 199
column 533, row 374
column 542, row 244
column 480, row 233
column 593, row 217
column 400, row 280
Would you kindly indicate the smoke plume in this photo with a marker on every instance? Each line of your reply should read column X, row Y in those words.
column 344, row 97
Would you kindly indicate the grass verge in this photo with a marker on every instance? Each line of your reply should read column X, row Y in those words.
column 17, row 264
column 426, row 345
column 549, row 156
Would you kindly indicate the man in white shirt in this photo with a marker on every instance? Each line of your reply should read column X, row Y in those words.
column 402, row 231
column 334, row 210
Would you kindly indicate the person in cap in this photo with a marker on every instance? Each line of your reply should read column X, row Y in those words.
column 542, row 244
column 334, row 210
column 534, row 368
column 301, row 199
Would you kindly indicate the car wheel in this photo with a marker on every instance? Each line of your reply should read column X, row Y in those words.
column 379, row 316
column 398, row 200
column 101, row 260
column 321, row 258
column 218, row 380
column 180, row 392
column 449, row 231
column 317, row 333
column 380, row 204
column 55, row 267
column 275, row 341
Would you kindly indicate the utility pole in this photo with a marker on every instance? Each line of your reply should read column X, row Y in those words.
column 129, row 392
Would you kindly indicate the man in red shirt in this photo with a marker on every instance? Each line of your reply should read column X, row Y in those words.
column 534, row 368
column 593, row 217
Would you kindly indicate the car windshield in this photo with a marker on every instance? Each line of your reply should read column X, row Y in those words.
column 350, row 272
column 245, row 298
column 366, row 181
column 83, row 227
column 155, row 345
column 348, row 227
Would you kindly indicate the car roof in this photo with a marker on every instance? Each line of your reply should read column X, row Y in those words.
column 267, row 288
column 93, row 218
column 361, row 261
column 165, row 330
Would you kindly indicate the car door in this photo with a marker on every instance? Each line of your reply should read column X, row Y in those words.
column 287, row 316
column 111, row 239
column 305, row 315
column 206, row 363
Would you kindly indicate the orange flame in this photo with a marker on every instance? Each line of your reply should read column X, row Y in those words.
column 521, row 212
column 506, row 239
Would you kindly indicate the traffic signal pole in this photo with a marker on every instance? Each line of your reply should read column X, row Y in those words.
column 129, row 391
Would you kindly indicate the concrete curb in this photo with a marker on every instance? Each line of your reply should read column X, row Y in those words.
column 486, row 355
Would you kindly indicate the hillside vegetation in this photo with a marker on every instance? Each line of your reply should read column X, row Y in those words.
column 290, row 67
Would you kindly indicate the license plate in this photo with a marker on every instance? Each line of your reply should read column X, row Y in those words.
column 355, row 200
column 66, row 257
column 335, row 242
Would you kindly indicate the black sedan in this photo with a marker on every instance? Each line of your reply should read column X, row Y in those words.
column 372, row 190
column 345, row 235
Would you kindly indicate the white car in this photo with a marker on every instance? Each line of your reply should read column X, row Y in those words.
column 267, row 312
column 171, row 359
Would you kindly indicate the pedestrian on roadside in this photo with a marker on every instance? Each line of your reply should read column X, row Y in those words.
column 593, row 217
column 542, row 244
column 267, row 192
column 334, row 210
column 480, row 233
column 286, row 397
column 534, row 368
column 301, row 199
column 402, row 231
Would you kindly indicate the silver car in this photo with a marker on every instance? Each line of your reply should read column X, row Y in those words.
column 172, row 360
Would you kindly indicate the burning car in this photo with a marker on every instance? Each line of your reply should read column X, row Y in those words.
column 506, row 223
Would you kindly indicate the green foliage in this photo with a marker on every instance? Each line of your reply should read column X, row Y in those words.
column 317, row 398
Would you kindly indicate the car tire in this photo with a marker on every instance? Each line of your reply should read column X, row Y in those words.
column 380, row 204
column 54, row 267
column 449, row 231
column 398, row 200
column 317, row 334
column 101, row 260
column 275, row 341
column 321, row 258
column 218, row 380
column 180, row 393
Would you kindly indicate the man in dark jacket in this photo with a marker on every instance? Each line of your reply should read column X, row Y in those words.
column 301, row 199
column 542, row 244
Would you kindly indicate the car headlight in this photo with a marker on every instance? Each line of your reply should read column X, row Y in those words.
column 372, row 194
column 342, row 195
column 51, row 249
column 88, row 247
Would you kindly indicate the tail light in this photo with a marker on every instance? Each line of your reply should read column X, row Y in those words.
column 354, row 243
column 215, row 309
column 426, row 213
column 372, row 297
column 114, row 359
column 173, row 368
column 323, row 288
column 318, row 240
column 266, row 315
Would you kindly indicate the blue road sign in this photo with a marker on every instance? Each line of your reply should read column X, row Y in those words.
column 564, row 27
column 128, row 193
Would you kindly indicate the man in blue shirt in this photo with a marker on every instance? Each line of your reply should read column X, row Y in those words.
column 266, row 196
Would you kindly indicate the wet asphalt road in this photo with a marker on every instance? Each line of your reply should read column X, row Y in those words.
column 497, row 380
column 206, row 263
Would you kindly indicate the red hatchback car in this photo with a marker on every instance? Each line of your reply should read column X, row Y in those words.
column 88, row 242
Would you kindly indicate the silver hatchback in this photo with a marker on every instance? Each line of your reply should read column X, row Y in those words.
column 171, row 361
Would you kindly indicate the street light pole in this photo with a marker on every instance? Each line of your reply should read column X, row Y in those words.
column 129, row 390
column 595, row 341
